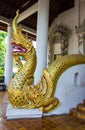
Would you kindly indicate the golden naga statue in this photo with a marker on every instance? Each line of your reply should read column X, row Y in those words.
column 21, row 92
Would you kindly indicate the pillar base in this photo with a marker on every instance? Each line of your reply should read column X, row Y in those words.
column 14, row 113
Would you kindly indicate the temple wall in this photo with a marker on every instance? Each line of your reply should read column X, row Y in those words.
column 82, row 11
column 71, row 86
column 69, row 19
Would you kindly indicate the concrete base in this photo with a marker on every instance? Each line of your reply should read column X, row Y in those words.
column 14, row 113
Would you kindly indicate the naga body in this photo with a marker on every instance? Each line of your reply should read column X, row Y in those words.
column 21, row 92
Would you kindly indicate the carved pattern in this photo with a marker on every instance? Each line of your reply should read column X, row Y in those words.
column 58, row 34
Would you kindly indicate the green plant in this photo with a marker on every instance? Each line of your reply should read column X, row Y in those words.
column 2, row 51
column 1, row 72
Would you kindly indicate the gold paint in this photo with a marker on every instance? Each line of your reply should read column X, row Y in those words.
column 21, row 92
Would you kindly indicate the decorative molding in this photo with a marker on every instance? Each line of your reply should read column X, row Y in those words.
column 58, row 34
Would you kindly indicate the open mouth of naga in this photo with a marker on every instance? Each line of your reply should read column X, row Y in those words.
column 18, row 48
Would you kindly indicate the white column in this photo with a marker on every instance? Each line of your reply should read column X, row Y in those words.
column 77, row 13
column 9, row 58
column 42, row 38
column 76, row 23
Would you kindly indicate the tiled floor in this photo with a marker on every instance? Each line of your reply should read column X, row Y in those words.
column 63, row 122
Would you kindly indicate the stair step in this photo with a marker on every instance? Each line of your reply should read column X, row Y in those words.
column 74, row 112
column 81, row 107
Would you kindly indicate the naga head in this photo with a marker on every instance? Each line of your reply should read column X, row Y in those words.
column 20, row 43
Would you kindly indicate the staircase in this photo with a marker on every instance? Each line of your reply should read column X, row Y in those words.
column 79, row 111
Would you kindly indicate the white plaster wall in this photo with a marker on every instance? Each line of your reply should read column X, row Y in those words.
column 69, row 93
column 82, row 11
column 66, row 18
